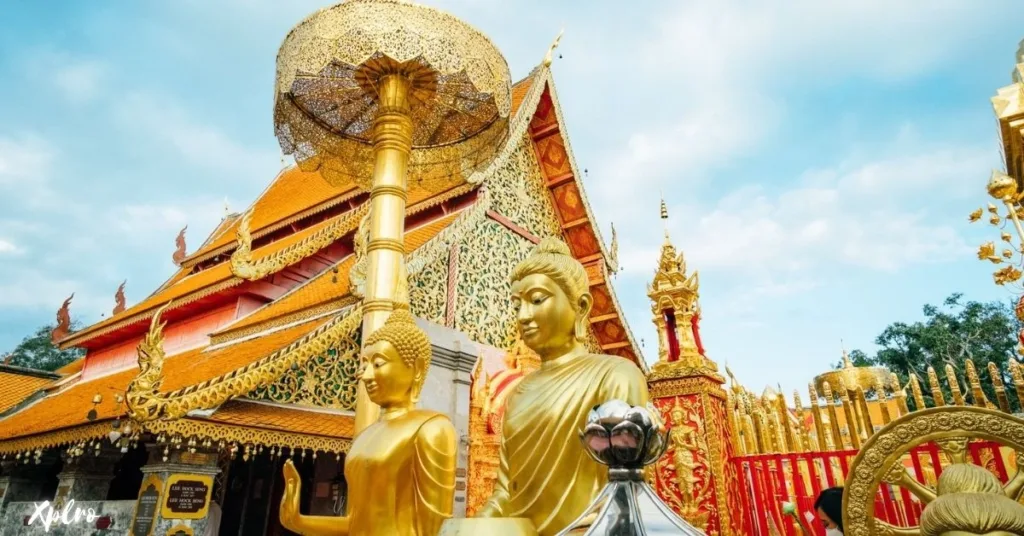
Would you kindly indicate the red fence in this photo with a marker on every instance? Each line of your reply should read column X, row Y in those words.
column 771, row 479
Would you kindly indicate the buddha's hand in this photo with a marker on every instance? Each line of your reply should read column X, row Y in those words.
column 290, row 501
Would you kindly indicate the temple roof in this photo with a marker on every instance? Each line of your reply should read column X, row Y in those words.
column 16, row 383
column 70, row 406
column 295, row 419
column 293, row 208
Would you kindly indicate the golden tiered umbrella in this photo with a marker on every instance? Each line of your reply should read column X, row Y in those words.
column 852, row 377
column 384, row 93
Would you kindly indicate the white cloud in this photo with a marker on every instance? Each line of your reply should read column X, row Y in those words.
column 80, row 81
column 200, row 143
column 877, row 215
column 31, row 289
column 24, row 160
column 9, row 248
column 77, row 78
column 756, row 43
column 873, row 215
column 713, row 76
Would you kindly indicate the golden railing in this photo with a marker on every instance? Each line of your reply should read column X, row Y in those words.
column 842, row 417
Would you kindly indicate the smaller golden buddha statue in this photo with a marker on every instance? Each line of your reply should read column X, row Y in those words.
column 401, row 468
column 971, row 502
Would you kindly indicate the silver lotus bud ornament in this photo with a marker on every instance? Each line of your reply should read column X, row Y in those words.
column 627, row 438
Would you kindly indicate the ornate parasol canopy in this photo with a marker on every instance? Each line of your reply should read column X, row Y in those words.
column 853, row 377
column 326, row 94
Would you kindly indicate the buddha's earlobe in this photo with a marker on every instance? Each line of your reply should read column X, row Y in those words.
column 586, row 301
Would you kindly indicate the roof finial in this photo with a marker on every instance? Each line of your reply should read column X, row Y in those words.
column 664, row 216
column 180, row 247
column 613, row 253
column 227, row 208
column 119, row 298
column 846, row 358
column 549, row 57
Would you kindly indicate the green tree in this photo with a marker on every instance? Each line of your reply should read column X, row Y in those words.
column 37, row 351
column 950, row 334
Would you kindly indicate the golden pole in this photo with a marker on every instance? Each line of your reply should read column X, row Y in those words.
column 385, row 250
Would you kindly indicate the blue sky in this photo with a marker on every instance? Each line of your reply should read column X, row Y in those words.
column 818, row 162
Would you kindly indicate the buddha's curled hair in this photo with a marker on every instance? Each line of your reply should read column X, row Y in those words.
column 551, row 257
column 970, row 500
column 401, row 331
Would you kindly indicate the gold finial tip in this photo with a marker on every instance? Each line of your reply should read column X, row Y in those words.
column 1002, row 186
column 550, row 56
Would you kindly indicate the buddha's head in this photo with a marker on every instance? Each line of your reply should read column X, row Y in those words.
column 396, row 358
column 550, row 292
column 971, row 502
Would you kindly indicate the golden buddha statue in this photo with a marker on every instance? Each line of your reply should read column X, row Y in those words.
column 971, row 502
column 401, row 469
column 544, row 475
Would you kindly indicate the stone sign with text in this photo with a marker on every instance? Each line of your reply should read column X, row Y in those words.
column 187, row 496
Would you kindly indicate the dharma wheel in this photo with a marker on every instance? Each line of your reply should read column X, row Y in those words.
column 345, row 68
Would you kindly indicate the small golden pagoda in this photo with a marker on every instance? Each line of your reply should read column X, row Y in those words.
column 853, row 377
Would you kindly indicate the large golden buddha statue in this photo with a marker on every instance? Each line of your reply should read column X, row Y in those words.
column 401, row 469
column 544, row 475
column 971, row 502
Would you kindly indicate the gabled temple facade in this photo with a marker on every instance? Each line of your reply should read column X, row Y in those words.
column 249, row 351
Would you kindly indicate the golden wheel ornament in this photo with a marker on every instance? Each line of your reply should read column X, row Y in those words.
column 952, row 428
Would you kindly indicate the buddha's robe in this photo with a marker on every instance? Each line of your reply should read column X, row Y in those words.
column 401, row 476
column 544, row 474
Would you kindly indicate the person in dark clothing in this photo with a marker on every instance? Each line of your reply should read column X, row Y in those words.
column 829, row 507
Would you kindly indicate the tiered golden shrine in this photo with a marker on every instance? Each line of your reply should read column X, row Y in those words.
column 686, row 387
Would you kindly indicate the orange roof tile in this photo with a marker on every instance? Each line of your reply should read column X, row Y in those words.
column 519, row 91
column 197, row 285
column 70, row 406
column 293, row 419
column 293, row 195
column 292, row 192
column 73, row 367
column 16, row 386
column 322, row 288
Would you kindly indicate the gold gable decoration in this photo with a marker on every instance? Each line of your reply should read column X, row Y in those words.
column 244, row 267
column 146, row 403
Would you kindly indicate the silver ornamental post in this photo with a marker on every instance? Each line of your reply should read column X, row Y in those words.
column 626, row 439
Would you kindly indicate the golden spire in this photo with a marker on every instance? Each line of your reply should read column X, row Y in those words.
column 664, row 217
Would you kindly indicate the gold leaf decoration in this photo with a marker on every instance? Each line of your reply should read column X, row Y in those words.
column 975, row 216
column 987, row 251
column 1006, row 274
